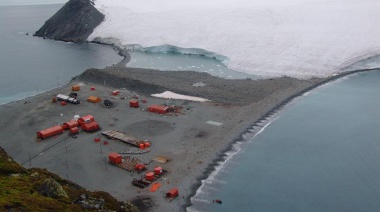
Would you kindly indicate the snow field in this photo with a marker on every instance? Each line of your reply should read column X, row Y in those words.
column 298, row 38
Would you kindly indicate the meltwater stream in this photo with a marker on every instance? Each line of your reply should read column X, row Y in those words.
column 322, row 153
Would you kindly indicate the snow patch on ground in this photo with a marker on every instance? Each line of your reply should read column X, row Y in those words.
column 171, row 95
column 299, row 38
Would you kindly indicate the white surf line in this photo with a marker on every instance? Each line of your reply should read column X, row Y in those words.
column 263, row 128
column 220, row 165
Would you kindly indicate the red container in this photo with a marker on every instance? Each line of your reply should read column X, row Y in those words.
column 114, row 158
column 173, row 193
column 70, row 124
column 146, row 144
column 92, row 88
column 74, row 130
column 149, row 176
column 139, row 167
column 63, row 103
column 144, row 100
column 142, row 146
column 158, row 170
column 133, row 103
column 158, row 109
column 90, row 127
column 96, row 139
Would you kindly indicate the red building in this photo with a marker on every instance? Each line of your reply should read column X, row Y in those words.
column 86, row 119
column 158, row 109
column 133, row 103
column 70, row 124
column 52, row 131
column 114, row 158
column 90, row 127
column 172, row 193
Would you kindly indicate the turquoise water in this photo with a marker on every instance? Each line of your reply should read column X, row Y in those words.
column 182, row 62
column 322, row 153
column 32, row 65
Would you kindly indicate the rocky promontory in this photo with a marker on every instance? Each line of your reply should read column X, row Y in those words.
column 74, row 22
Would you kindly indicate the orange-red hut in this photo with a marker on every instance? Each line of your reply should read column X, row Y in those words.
column 133, row 103
column 94, row 99
column 114, row 158
column 173, row 193
column 90, row 127
column 86, row 119
column 158, row 109
column 70, row 124
column 52, row 131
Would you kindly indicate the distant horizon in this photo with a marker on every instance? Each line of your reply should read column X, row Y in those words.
column 26, row 2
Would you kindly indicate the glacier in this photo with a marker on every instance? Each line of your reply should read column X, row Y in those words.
column 296, row 38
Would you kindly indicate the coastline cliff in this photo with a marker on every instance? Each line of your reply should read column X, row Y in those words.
column 74, row 22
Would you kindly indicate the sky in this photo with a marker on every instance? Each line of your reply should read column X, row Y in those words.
column 30, row 2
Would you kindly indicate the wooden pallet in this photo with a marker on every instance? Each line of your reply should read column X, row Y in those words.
column 116, row 135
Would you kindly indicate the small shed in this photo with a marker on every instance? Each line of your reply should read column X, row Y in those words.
column 115, row 92
column 114, row 158
column 158, row 109
column 86, row 119
column 90, row 127
column 140, row 167
column 157, row 170
column 75, row 88
column 173, row 193
column 133, row 103
column 52, row 131
column 149, row 176
column 70, row 124
column 94, row 99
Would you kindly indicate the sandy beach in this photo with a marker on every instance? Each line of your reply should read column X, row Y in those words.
column 192, row 144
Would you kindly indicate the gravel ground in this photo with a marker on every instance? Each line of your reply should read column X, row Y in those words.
column 186, row 138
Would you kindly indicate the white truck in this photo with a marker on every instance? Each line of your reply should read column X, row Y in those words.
column 65, row 98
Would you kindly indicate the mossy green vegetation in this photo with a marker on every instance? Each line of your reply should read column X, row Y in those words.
column 20, row 190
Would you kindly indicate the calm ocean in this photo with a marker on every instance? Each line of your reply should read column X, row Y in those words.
column 320, row 153
column 32, row 65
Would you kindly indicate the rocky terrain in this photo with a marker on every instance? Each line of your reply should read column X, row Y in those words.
column 40, row 190
column 74, row 22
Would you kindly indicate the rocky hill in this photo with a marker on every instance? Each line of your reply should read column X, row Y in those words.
column 40, row 190
column 74, row 22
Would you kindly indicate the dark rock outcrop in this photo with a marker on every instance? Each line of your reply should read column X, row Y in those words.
column 51, row 188
column 74, row 22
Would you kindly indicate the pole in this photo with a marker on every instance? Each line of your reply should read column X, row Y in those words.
column 105, row 162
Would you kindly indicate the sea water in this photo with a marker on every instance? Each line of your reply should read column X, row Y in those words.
column 320, row 153
column 31, row 65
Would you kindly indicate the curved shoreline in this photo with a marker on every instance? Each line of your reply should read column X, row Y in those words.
column 284, row 91
column 221, row 157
